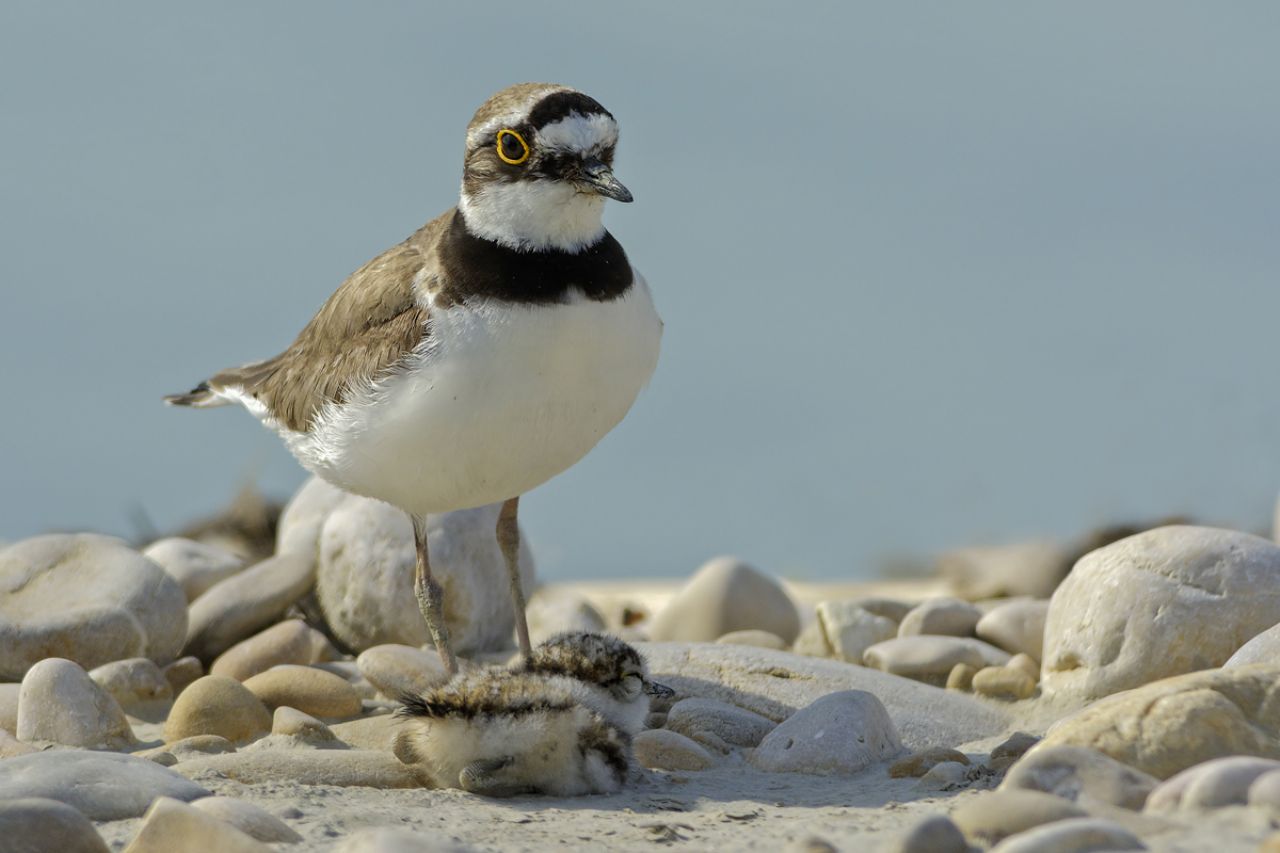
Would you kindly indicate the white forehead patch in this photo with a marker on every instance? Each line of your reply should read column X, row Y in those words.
column 576, row 132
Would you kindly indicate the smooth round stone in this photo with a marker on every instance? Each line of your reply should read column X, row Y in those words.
column 810, row 844
column 87, row 598
column 752, row 637
column 388, row 840
column 1265, row 790
column 196, row 745
column 290, row 722
column 989, row 818
column 949, row 616
column 1167, row 726
column 552, row 610
column 170, row 826
column 182, row 672
column 312, row 691
column 662, row 749
column 920, row 763
column 889, row 608
column 341, row 767
column 1079, row 774
column 1264, row 648
column 397, row 669
column 1075, row 835
column 376, row 732
column 101, row 785
column 725, row 595
column 365, row 577
column 133, row 682
column 35, row 824
column 59, row 702
column 9, row 707
column 1165, row 602
column 706, row 719
column 303, row 518
column 1016, row 626
column 290, row 641
column 1025, row 568
column 840, row 733
column 1014, row 747
column 931, row 658
column 217, row 705
column 1003, row 682
column 944, row 775
column 937, row 834
column 253, row 821
column 850, row 630
column 245, row 603
column 1211, row 785
column 1024, row 662
column 196, row 566
column 812, row 642
column 961, row 677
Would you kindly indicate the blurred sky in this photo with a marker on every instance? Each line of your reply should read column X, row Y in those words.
column 932, row 273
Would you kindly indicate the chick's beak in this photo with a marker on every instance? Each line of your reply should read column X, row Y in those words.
column 653, row 688
column 598, row 178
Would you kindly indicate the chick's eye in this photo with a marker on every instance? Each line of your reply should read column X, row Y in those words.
column 512, row 148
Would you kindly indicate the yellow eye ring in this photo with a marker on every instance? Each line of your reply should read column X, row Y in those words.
column 505, row 156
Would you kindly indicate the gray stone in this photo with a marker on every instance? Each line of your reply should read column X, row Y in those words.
column 101, row 785
column 839, row 733
column 552, row 610
column 1213, row 784
column 1025, row 568
column 1170, row 725
column 992, row 817
column 1265, row 790
column 341, row 767
column 1081, row 775
column 34, row 825
column 386, row 840
column 60, row 703
column 936, row 834
column 948, row 616
column 930, row 658
column 1075, row 835
column 850, row 630
column 1016, row 626
column 290, row 641
column 170, row 826
column 365, row 578
column 86, row 598
column 253, row 821
column 1165, row 602
column 775, row 684
column 700, row 718
column 1263, row 648
column 396, row 669
column 133, row 682
column 889, row 608
column 725, row 595
column 944, row 775
column 182, row 672
column 196, row 566
column 662, row 749
column 245, row 603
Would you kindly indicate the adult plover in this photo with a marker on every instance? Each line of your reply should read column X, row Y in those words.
column 560, row 724
column 486, row 353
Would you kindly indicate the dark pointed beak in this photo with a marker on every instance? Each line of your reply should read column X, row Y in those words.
column 599, row 178
column 653, row 688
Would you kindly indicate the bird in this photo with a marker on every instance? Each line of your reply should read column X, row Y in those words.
column 483, row 355
column 558, row 723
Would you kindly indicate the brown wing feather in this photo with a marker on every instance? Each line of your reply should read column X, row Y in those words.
column 363, row 332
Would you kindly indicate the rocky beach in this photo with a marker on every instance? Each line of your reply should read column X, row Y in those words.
column 196, row 694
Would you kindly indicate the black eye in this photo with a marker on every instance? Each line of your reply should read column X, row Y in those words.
column 512, row 148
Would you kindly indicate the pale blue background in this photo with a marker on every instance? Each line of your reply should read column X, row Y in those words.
column 931, row 273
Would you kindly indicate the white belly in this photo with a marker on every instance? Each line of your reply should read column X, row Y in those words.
column 499, row 400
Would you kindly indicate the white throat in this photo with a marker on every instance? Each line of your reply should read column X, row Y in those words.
column 531, row 216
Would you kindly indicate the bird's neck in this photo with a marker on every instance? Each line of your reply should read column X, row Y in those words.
column 534, row 216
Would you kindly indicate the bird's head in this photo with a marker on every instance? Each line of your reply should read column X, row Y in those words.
column 538, row 167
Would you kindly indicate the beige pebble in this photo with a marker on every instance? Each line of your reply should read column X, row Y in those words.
column 252, row 820
column 919, row 763
column 133, row 682
column 1027, row 664
column 991, row 817
column 753, row 637
column 662, row 749
column 961, row 677
column 217, row 705
column 312, row 691
column 182, row 672
column 291, row 641
column 9, row 707
column 394, row 668
column 1003, row 682
column 59, row 702
column 294, row 723
column 170, row 826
